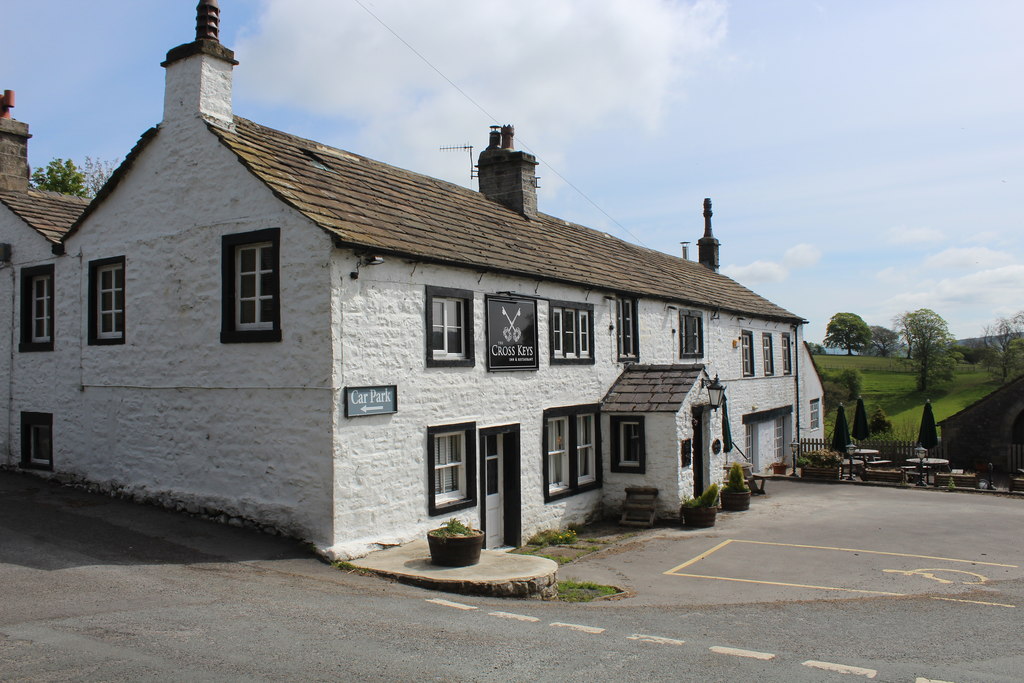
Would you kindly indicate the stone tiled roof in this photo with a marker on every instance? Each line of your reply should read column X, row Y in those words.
column 367, row 204
column 651, row 388
column 49, row 213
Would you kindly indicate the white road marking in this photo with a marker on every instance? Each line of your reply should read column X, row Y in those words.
column 655, row 639
column 751, row 654
column 449, row 603
column 510, row 615
column 841, row 668
column 929, row 680
column 578, row 627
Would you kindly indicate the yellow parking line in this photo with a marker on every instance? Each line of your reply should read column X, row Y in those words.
column 873, row 552
column 789, row 585
column 974, row 602
column 699, row 557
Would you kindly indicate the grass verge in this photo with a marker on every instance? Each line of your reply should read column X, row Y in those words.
column 583, row 591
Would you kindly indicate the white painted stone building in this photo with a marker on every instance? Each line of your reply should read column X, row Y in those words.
column 256, row 325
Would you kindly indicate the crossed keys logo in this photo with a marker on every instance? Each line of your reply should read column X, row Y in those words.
column 512, row 333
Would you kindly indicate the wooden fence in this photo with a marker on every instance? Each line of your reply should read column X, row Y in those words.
column 897, row 451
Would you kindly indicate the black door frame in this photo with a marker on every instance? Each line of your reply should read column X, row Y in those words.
column 699, row 455
column 511, row 494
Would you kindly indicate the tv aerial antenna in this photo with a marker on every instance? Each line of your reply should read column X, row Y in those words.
column 462, row 148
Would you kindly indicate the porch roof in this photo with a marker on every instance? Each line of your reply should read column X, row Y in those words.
column 651, row 388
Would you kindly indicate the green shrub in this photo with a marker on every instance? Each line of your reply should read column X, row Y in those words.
column 823, row 457
column 453, row 527
column 708, row 499
column 736, row 483
column 879, row 422
column 553, row 537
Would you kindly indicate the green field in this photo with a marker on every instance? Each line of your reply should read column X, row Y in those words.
column 891, row 384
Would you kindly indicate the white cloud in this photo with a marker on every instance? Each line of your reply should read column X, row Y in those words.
column 968, row 258
column 903, row 235
column 558, row 71
column 758, row 271
column 801, row 256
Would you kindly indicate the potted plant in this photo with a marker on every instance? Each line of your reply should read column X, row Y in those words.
column 779, row 468
column 700, row 511
column 823, row 463
column 735, row 493
column 454, row 544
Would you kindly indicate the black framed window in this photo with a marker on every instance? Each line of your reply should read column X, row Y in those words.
column 747, row 348
column 37, row 441
column 451, row 467
column 571, row 445
column 107, row 301
column 37, row 331
column 629, row 451
column 768, row 350
column 251, row 287
column 627, row 329
column 787, row 353
column 449, row 327
column 571, row 327
column 815, row 413
column 691, row 334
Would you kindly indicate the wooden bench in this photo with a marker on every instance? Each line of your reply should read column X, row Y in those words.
column 756, row 483
column 889, row 476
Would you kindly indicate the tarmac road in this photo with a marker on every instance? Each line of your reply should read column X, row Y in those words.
column 93, row 588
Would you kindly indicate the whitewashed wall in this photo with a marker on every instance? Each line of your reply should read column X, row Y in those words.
column 173, row 414
column 28, row 249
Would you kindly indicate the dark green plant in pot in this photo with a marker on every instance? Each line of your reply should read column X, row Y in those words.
column 455, row 544
column 701, row 511
column 736, row 493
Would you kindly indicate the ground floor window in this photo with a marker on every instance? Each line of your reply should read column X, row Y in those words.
column 628, row 446
column 451, row 467
column 571, row 448
column 37, row 441
column 815, row 413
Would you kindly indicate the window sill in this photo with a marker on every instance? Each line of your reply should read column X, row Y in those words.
column 551, row 496
column 571, row 361
column 450, row 362
column 31, row 347
column 249, row 336
column 444, row 508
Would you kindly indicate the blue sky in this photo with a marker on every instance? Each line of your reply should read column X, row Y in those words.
column 861, row 156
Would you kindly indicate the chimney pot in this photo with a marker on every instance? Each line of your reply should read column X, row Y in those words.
column 495, row 140
column 6, row 104
column 208, row 20
column 507, row 133
column 707, row 246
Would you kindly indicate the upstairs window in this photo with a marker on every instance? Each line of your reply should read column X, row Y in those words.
column 787, row 353
column 107, row 301
column 691, row 334
column 572, row 331
column 251, row 283
column 815, row 413
column 449, row 327
column 769, row 354
column 747, row 348
column 627, row 330
column 37, row 309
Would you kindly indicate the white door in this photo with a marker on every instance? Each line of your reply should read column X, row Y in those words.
column 494, row 485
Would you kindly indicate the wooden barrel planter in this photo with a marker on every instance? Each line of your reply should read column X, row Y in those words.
column 808, row 472
column 735, row 501
column 698, row 517
column 455, row 551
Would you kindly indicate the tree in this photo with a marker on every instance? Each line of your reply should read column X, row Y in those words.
column 97, row 172
column 884, row 341
column 847, row 331
column 61, row 175
column 1003, row 353
column 927, row 334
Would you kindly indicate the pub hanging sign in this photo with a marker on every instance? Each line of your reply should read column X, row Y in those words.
column 511, row 333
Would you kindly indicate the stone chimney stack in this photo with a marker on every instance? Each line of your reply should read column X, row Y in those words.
column 507, row 176
column 13, row 148
column 707, row 246
column 198, row 79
